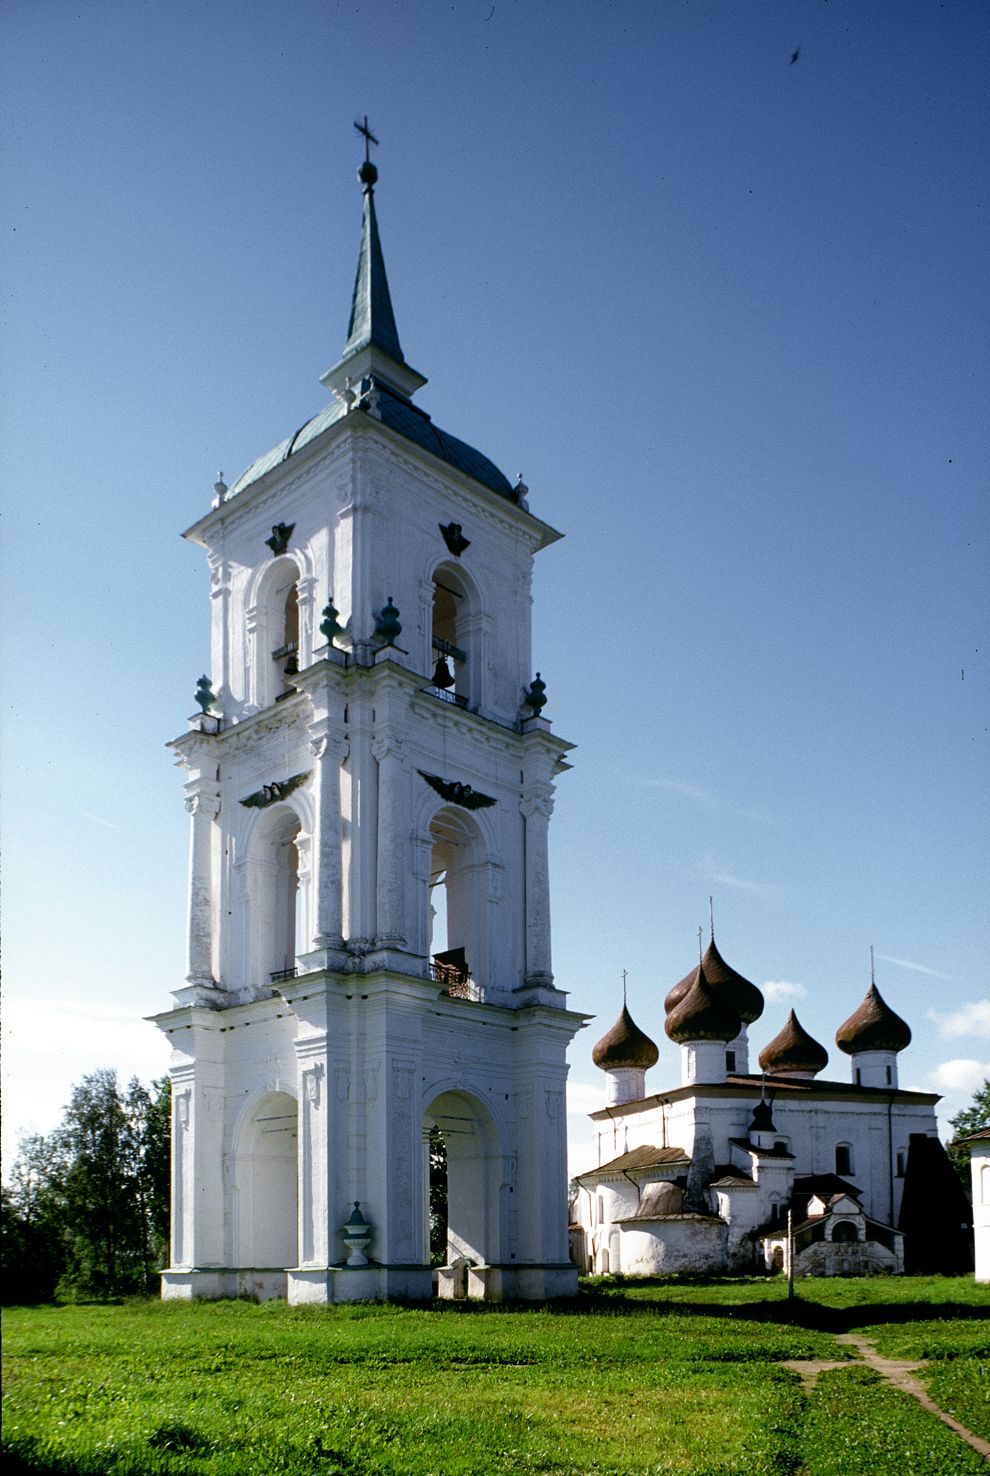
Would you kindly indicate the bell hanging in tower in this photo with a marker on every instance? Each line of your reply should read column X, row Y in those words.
column 442, row 675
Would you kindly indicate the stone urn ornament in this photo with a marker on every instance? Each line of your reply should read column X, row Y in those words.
column 357, row 1235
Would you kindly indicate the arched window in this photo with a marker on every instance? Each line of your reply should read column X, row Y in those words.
column 275, row 633
column 845, row 1232
column 844, row 1158
column 457, row 917
column 275, row 897
column 455, row 640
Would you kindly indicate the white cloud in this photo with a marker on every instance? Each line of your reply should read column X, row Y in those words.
column 99, row 820
column 741, row 883
column 961, row 1075
column 781, row 991
column 585, row 1096
column 906, row 963
column 969, row 1020
column 686, row 791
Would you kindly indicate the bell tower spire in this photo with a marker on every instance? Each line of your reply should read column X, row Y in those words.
column 372, row 350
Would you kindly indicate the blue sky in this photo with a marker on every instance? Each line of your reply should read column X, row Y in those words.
column 727, row 313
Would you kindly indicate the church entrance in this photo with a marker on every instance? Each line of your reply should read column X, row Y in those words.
column 266, row 1175
column 462, row 1166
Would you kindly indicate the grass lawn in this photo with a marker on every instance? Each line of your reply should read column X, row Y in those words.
column 651, row 1377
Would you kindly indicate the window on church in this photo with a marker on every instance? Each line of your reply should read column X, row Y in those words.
column 900, row 1163
column 276, row 642
column 448, row 654
column 456, row 911
column 286, row 653
column 730, row 1060
column 845, row 1232
column 843, row 1158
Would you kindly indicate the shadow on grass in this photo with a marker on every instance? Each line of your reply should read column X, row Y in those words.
column 801, row 1311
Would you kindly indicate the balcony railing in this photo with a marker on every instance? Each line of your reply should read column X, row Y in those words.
column 279, row 976
column 453, row 699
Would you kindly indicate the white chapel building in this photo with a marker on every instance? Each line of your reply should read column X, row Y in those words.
column 370, row 782
column 701, row 1174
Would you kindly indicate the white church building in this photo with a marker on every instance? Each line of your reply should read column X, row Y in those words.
column 370, row 782
column 702, row 1175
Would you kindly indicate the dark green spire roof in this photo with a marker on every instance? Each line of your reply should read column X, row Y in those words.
column 372, row 319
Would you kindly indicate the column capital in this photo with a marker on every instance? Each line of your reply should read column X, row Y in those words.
column 202, row 802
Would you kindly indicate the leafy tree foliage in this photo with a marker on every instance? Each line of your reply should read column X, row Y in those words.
column 438, row 1198
column 970, row 1120
column 86, row 1208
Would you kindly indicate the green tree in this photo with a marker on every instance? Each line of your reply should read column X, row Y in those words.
column 87, row 1207
column 970, row 1120
column 32, row 1222
column 438, row 1198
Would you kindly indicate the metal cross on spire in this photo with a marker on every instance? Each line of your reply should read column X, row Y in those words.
column 368, row 136
column 625, row 975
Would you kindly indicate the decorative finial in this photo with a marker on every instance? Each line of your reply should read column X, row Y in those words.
column 700, row 955
column 520, row 491
column 388, row 627
column 329, row 625
column 536, row 695
column 873, row 979
column 625, row 975
column 205, row 696
column 347, row 395
column 367, row 174
column 220, row 487
column 711, row 919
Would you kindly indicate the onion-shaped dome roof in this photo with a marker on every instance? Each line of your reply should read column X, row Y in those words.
column 747, row 1001
column 704, row 1012
column 793, row 1050
column 873, row 1027
column 625, row 1045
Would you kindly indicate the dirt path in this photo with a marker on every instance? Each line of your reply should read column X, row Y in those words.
column 897, row 1371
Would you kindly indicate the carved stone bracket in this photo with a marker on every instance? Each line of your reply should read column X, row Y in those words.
column 270, row 794
column 279, row 541
column 456, row 793
column 454, row 538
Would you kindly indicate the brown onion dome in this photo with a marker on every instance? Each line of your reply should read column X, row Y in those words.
column 625, row 1045
column 793, row 1050
column 704, row 1012
column 747, row 1001
column 873, row 1027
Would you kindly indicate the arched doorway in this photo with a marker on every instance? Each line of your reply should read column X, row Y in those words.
column 266, row 1174
column 463, row 1169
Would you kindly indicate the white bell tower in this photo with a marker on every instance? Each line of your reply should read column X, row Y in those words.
column 370, row 784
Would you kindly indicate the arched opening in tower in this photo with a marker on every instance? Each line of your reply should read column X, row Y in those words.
column 462, row 1169
column 266, row 1180
column 454, row 924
